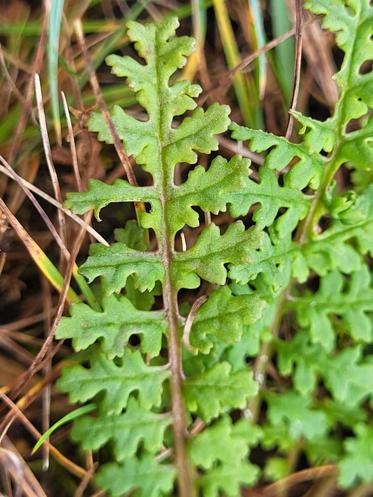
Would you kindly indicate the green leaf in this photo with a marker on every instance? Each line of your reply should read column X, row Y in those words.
column 207, row 190
column 272, row 197
column 116, row 381
column 211, row 252
column 142, row 477
column 357, row 385
column 308, row 169
column 311, row 362
column 351, row 303
column 302, row 358
column 293, row 412
column 224, row 317
column 224, row 442
column 357, row 465
column 115, row 325
column 126, row 431
column 272, row 261
column 228, row 479
column 117, row 262
column 99, row 195
column 218, row 390
column 352, row 24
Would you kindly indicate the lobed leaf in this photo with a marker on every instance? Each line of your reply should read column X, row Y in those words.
column 142, row 477
column 350, row 302
column 212, row 250
column 127, row 431
column 117, row 262
column 115, row 325
column 217, row 390
column 116, row 382
column 223, row 318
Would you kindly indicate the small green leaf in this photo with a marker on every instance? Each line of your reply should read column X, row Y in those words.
column 211, row 252
column 293, row 411
column 272, row 197
column 351, row 302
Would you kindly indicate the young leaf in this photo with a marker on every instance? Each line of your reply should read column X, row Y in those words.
column 212, row 250
column 272, row 197
column 223, row 442
column 118, row 262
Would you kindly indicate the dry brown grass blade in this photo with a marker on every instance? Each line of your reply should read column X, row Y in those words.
column 41, row 260
column 297, row 66
column 319, row 56
column 39, row 209
column 48, row 156
column 278, row 488
column 42, row 354
column 70, row 134
column 123, row 157
column 9, row 79
column 36, row 66
column 226, row 78
column 64, row 461
column 6, row 169
column 25, row 482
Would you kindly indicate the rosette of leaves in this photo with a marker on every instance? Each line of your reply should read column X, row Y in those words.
column 141, row 390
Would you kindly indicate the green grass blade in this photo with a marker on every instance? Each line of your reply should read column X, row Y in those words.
column 66, row 419
column 54, row 28
column 285, row 51
column 258, row 28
